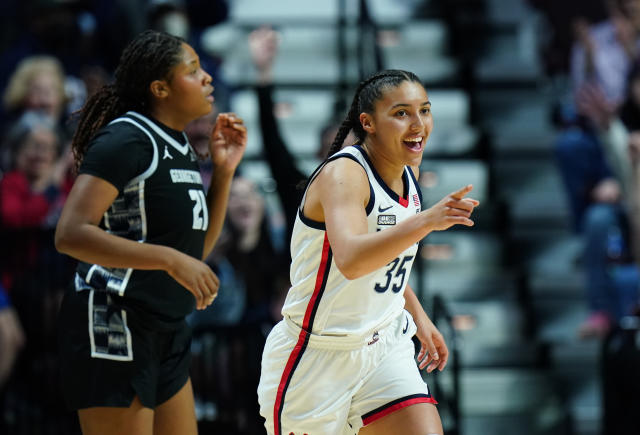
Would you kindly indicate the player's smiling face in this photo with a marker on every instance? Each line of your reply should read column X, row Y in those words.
column 401, row 123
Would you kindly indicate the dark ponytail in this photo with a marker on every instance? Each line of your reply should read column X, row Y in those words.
column 98, row 110
column 150, row 56
column 368, row 92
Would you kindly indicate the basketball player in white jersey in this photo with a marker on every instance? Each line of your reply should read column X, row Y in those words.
column 342, row 359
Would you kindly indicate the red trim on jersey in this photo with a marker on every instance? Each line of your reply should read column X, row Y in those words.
column 386, row 411
column 303, row 338
column 403, row 202
column 319, row 279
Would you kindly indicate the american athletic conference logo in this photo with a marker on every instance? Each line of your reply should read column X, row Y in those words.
column 387, row 219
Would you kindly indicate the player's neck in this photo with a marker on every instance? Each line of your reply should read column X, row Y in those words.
column 389, row 170
column 169, row 119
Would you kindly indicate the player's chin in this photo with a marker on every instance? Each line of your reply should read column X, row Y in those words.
column 205, row 109
column 414, row 160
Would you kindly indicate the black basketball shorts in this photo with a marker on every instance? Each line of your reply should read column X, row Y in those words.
column 108, row 354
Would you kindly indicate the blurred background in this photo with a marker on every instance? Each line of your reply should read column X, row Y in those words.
column 535, row 102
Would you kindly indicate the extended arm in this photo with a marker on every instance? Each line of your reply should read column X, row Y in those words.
column 263, row 46
column 339, row 196
column 280, row 160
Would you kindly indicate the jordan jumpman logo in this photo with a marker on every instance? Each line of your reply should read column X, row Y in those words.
column 166, row 153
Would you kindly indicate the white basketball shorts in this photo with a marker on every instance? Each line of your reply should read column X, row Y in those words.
column 317, row 385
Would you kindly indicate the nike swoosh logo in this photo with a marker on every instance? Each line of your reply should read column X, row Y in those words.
column 404, row 331
column 382, row 210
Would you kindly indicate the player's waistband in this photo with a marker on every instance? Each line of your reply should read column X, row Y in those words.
column 346, row 341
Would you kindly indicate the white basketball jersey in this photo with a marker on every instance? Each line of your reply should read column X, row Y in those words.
column 321, row 300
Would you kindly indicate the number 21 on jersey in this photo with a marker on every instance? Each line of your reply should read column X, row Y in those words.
column 200, row 214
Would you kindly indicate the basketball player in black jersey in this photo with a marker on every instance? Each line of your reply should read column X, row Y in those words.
column 140, row 223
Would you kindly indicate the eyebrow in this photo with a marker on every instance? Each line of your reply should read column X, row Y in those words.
column 408, row 105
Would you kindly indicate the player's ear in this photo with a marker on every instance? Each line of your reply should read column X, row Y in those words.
column 159, row 89
column 367, row 123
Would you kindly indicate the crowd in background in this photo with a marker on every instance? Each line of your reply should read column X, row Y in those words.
column 49, row 65
column 596, row 47
column 64, row 51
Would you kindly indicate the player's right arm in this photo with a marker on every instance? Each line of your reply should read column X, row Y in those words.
column 339, row 198
column 78, row 235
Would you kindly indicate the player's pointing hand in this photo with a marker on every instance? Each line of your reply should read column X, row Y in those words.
column 453, row 209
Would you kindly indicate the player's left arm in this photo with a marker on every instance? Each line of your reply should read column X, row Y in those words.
column 433, row 351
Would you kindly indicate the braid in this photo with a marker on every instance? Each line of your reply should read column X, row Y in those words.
column 150, row 56
column 341, row 135
column 351, row 121
column 368, row 92
column 99, row 109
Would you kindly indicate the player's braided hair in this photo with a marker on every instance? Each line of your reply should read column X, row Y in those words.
column 150, row 56
column 367, row 93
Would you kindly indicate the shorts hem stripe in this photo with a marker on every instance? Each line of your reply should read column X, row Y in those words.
column 395, row 405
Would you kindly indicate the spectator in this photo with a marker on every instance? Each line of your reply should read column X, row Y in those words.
column 37, row 180
column 556, row 47
column 252, row 252
column 601, row 58
column 36, row 84
column 612, row 275
column 32, row 192
column 251, row 268
column 604, row 53
column 31, row 196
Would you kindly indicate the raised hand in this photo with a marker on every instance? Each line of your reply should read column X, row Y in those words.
column 228, row 142
column 592, row 102
column 263, row 46
column 453, row 209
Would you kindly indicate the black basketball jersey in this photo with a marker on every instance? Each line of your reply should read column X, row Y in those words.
column 161, row 200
